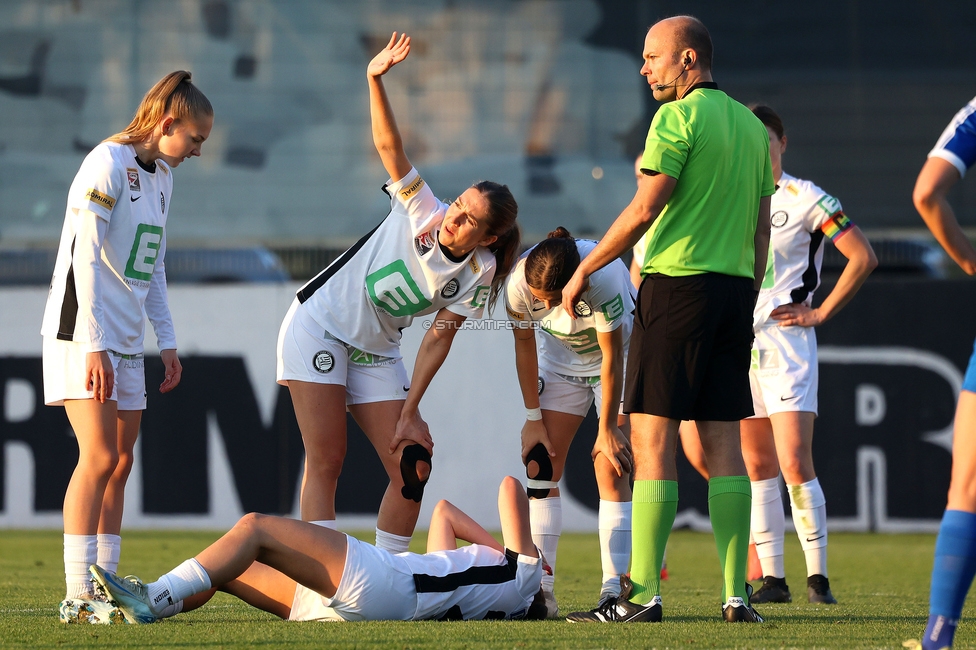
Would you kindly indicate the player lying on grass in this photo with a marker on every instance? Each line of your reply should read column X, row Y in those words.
column 300, row 571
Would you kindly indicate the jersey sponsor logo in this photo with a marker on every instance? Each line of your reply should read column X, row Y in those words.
column 792, row 189
column 542, row 385
column 363, row 358
column 480, row 296
column 779, row 219
column 517, row 315
column 450, row 289
column 613, row 309
column 323, row 361
column 473, row 263
column 162, row 203
column 424, row 243
column 133, row 176
column 103, row 200
column 582, row 342
column 829, row 205
column 393, row 290
column 582, row 309
column 412, row 189
column 145, row 249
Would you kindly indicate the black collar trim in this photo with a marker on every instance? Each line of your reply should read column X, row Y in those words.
column 448, row 255
column 147, row 167
column 705, row 85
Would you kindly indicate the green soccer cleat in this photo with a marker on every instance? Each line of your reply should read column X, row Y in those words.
column 128, row 594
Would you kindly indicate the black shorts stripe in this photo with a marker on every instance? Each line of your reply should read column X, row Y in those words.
column 809, row 277
column 69, row 303
column 316, row 283
column 476, row 575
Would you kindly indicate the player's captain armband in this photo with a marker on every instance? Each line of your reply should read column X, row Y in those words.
column 836, row 226
column 103, row 200
column 412, row 189
column 517, row 315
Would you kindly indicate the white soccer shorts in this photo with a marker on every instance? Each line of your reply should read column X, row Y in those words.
column 784, row 375
column 64, row 364
column 306, row 352
column 568, row 394
column 370, row 590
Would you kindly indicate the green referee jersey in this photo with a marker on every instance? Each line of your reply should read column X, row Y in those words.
column 719, row 153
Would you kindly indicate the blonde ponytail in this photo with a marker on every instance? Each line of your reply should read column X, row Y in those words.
column 174, row 94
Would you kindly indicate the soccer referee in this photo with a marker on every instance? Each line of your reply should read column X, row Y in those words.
column 703, row 202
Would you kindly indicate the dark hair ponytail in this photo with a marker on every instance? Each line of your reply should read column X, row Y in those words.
column 552, row 262
column 502, row 213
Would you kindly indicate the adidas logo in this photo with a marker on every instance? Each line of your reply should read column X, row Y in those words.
column 735, row 601
column 161, row 596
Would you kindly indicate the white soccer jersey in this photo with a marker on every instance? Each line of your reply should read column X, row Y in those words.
column 97, row 297
column 569, row 346
column 800, row 215
column 396, row 273
column 473, row 582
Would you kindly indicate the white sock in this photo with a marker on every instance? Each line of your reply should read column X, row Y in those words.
column 170, row 610
column 185, row 580
column 392, row 543
column 546, row 519
column 325, row 523
column 810, row 519
column 768, row 526
column 615, row 542
column 109, row 550
column 80, row 552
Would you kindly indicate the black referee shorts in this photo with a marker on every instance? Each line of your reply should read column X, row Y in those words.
column 690, row 349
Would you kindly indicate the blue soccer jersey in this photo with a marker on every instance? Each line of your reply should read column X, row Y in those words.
column 957, row 144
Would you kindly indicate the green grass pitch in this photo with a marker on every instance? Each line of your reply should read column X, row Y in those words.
column 881, row 582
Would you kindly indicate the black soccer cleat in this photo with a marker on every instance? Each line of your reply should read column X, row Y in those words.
column 617, row 609
column 737, row 610
column 818, row 590
column 773, row 590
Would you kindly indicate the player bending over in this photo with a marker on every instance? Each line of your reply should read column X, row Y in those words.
column 303, row 572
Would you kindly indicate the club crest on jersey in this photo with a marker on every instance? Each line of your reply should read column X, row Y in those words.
column 323, row 361
column 542, row 385
column 450, row 289
column 582, row 309
column 162, row 203
column 133, row 176
column 779, row 219
column 424, row 243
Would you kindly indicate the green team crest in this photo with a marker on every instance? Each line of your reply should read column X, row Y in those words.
column 145, row 250
column 394, row 290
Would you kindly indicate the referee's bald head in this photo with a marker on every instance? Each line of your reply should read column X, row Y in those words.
column 687, row 33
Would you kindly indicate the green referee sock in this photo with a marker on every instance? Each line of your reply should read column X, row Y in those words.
column 729, row 508
column 655, row 505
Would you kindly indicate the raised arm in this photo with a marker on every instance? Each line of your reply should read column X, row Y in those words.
column 386, row 135
column 930, row 196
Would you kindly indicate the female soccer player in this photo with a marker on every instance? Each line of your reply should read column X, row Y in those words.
column 955, row 547
column 109, row 268
column 338, row 346
column 784, row 374
column 302, row 572
column 563, row 365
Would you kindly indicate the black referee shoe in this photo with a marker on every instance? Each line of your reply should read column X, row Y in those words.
column 773, row 590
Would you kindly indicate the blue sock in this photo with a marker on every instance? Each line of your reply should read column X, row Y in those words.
column 939, row 632
column 952, row 574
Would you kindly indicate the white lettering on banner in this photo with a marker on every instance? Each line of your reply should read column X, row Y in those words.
column 869, row 405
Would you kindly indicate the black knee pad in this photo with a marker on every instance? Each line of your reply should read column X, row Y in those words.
column 540, row 484
column 413, row 487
